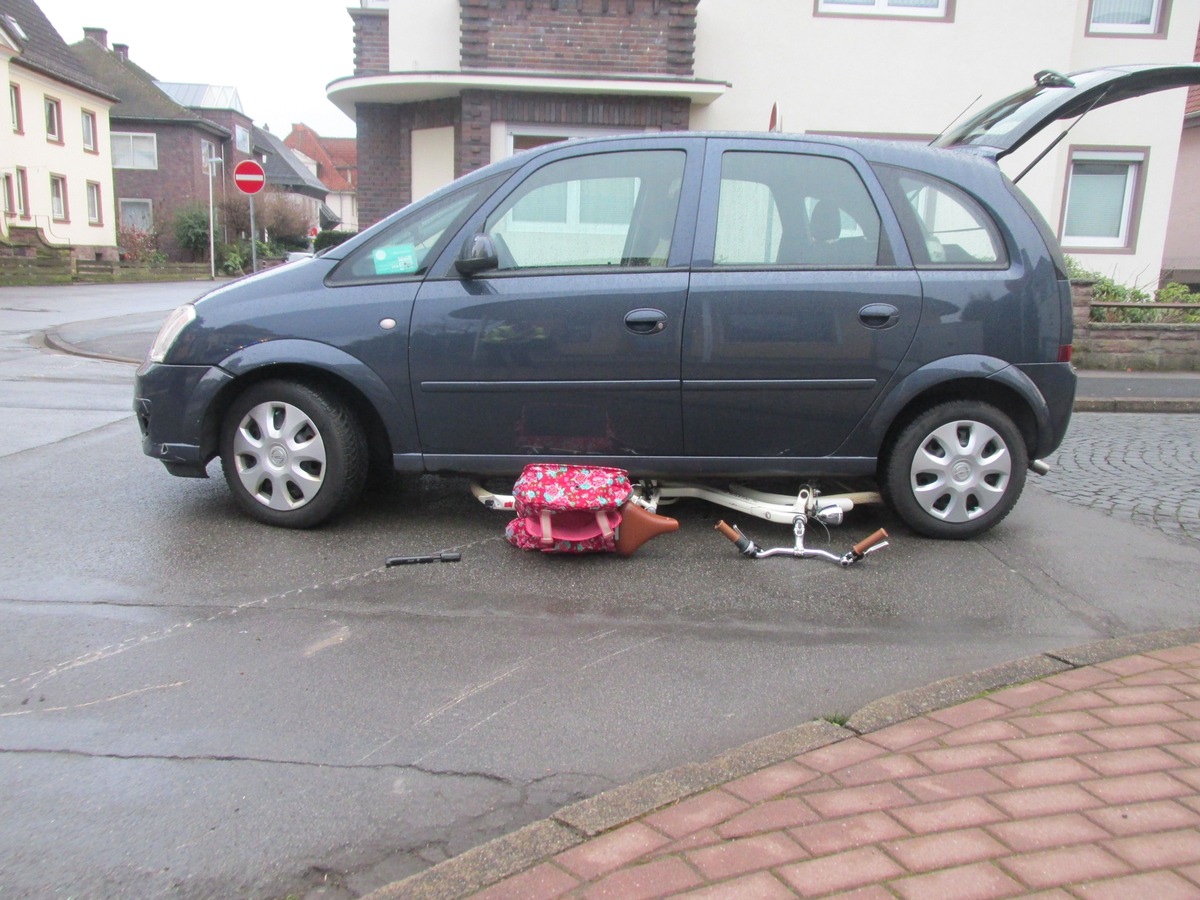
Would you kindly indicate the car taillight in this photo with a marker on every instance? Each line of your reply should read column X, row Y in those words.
column 1064, row 352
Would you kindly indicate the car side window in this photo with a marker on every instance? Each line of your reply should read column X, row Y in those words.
column 943, row 226
column 605, row 209
column 794, row 209
column 400, row 251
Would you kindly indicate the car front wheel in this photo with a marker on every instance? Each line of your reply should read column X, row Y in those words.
column 956, row 470
column 293, row 455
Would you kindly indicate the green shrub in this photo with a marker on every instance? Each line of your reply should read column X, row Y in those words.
column 326, row 239
column 232, row 258
column 191, row 230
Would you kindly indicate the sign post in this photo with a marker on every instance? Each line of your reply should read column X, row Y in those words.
column 250, row 178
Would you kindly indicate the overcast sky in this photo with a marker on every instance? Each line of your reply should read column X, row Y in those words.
column 279, row 54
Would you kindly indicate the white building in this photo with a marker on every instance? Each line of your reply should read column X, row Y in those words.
column 55, row 159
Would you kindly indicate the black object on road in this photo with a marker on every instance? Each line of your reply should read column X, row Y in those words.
column 442, row 556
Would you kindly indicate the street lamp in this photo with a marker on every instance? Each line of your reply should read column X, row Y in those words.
column 212, row 255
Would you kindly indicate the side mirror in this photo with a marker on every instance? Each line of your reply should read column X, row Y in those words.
column 478, row 254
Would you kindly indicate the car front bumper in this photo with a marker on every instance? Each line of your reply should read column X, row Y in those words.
column 177, row 416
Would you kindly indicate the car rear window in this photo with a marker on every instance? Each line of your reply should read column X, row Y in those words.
column 943, row 226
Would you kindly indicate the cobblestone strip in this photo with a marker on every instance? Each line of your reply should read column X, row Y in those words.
column 1141, row 467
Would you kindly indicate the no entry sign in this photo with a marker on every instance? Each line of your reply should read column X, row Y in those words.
column 249, row 176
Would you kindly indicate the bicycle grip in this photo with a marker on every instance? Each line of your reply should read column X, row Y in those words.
column 729, row 531
column 870, row 541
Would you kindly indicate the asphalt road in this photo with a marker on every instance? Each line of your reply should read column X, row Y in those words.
column 193, row 705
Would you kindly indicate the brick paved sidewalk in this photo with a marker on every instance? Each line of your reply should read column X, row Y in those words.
column 1085, row 783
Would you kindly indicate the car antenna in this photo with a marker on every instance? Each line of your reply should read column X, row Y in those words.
column 955, row 119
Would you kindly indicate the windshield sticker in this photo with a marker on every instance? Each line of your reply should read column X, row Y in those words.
column 400, row 259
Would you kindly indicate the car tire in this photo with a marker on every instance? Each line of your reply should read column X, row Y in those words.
column 956, row 470
column 293, row 455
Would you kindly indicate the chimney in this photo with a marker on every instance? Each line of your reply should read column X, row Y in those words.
column 99, row 35
column 122, row 51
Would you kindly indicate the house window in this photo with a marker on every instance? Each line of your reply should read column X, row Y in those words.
column 914, row 9
column 1126, row 17
column 208, row 151
column 134, row 151
column 242, row 137
column 88, row 122
column 137, row 214
column 22, row 180
column 58, row 198
column 10, row 196
column 14, row 104
column 1103, row 199
column 93, row 200
column 53, row 120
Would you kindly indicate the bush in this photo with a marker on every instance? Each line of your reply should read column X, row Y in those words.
column 327, row 239
column 139, row 246
column 1106, row 290
column 278, row 216
column 232, row 259
column 191, row 231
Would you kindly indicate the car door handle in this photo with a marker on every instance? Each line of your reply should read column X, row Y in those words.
column 879, row 315
column 646, row 321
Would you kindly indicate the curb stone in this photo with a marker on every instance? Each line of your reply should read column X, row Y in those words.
column 1136, row 405
column 572, row 825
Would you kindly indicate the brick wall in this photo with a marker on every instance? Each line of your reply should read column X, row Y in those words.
column 370, row 41
column 481, row 108
column 385, row 152
column 385, row 133
column 647, row 37
column 1140, row 348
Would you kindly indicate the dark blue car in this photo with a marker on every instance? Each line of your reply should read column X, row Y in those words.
column 684, row 305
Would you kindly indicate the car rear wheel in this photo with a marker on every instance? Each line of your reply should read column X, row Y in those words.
column 293, row 455
column 956, row 470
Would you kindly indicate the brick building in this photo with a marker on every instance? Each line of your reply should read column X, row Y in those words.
column 160, row 145
column 335, row 162
column 521, row 73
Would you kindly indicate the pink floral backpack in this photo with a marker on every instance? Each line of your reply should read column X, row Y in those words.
column 568, row 509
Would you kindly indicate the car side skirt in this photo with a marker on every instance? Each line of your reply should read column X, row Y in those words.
column 658, row 466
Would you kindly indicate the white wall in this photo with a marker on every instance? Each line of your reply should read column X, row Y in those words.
column 432, row 159
column 887, row 76
column 1183, row 240
column 423, row 35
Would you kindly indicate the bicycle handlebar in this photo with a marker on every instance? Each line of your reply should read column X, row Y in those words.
column 729, row 531
column 868, row 542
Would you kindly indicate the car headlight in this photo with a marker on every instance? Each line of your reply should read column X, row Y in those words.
column 171, row 329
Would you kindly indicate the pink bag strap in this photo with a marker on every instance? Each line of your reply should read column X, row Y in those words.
column 547, row 537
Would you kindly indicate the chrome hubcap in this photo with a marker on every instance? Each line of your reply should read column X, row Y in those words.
column 279, row 456
column 960, row 471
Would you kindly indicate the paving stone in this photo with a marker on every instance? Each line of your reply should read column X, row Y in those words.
column 752, row 854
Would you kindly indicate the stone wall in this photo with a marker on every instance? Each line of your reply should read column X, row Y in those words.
column 1140, row 348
